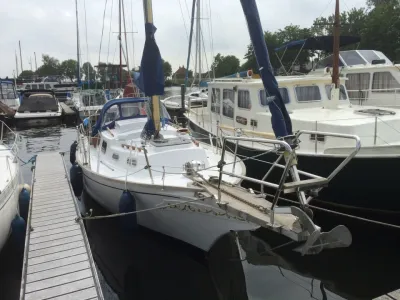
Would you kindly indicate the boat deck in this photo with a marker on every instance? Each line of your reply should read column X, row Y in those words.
column 395, row 295
column 58, row 263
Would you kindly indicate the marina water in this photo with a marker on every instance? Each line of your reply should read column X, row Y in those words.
column 148, row 265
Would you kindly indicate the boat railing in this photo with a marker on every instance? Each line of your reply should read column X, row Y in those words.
column 388, row 97
column 8, row 138
column 379, row 132
column 284, row 151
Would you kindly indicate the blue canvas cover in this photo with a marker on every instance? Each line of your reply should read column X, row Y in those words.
column 281, row 123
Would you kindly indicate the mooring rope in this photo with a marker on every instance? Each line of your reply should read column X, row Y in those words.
column 143, row 210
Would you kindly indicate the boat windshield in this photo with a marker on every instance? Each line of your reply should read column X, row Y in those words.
column 342, row 94
column 124, row 111
column 7, row 91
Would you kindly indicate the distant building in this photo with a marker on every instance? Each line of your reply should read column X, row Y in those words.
column 180, row 73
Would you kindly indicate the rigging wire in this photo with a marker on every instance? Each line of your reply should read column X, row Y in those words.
column 87, row 45
column 109, row 34
column 133, row 43
column 101, row 39
column 210, row 32
column 126, row 41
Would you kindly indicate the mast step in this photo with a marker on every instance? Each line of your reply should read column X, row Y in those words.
column 302, row 185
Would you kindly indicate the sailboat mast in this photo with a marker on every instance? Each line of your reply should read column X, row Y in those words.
column 16, row 63
column 20, row 56
column 190, row 43
column 120, row 43
column 336, row 36
column 78, row 71
column 199, row 39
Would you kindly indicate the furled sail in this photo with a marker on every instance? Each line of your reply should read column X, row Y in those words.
column 281, row 123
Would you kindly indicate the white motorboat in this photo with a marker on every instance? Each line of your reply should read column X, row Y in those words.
column 9, row 179
column 192, row 99
column 38, row 108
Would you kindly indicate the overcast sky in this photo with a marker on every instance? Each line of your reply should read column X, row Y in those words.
column 48, row 27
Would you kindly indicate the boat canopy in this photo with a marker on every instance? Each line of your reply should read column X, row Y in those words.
column 119, row 109
column 38, row 101
column 324, row 43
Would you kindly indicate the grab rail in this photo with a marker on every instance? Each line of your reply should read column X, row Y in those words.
column 315, row 183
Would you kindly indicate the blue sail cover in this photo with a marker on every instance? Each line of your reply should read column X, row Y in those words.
column 281, row 123
column 151, row 78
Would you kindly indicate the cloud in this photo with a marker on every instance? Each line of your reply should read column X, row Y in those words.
column 48, row 27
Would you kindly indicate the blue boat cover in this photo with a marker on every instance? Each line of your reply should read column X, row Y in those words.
column 324, row 43
column 281, row 123
column 151, row 78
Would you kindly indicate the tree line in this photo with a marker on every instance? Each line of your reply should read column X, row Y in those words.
column 68, row 68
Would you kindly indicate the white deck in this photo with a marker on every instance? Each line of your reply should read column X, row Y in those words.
column 58, row 263
column 395, row 295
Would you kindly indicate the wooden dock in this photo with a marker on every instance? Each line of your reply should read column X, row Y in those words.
column 67, row 111
column 395, row 295
column 58, row 263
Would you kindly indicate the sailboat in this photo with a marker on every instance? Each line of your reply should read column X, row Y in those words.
column 134, row 161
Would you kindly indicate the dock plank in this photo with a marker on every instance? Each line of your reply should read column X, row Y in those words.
column 57, row 260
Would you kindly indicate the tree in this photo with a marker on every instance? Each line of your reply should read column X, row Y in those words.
column 50, row 66
column 69, row 68
column 88, row 71
column 26, row 74
column 382, row 29
column 167, row 69
column 225, row 65
column 276, row 39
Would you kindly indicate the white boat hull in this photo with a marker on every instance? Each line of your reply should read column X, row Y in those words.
column 198, row 224
column 8, row 208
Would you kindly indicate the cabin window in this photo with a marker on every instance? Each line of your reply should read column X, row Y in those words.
column 308, row 93
column 284, row 94
column 34, row 86
column 327, row 62
column 244, row 99
column 342, row 93
column 111, row 114
column 384, row 82
column 357, row 81
column 28, row 87
column 215, row 100
column 41, row 86
column 48, row 86
column 133, row 109
column 228, row 99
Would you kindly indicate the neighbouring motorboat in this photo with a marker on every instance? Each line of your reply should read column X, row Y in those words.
column 88, row 102
column 240, row 106
column 9, row 181
column 135, row 161
column 38, row 108
column 372, row 78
